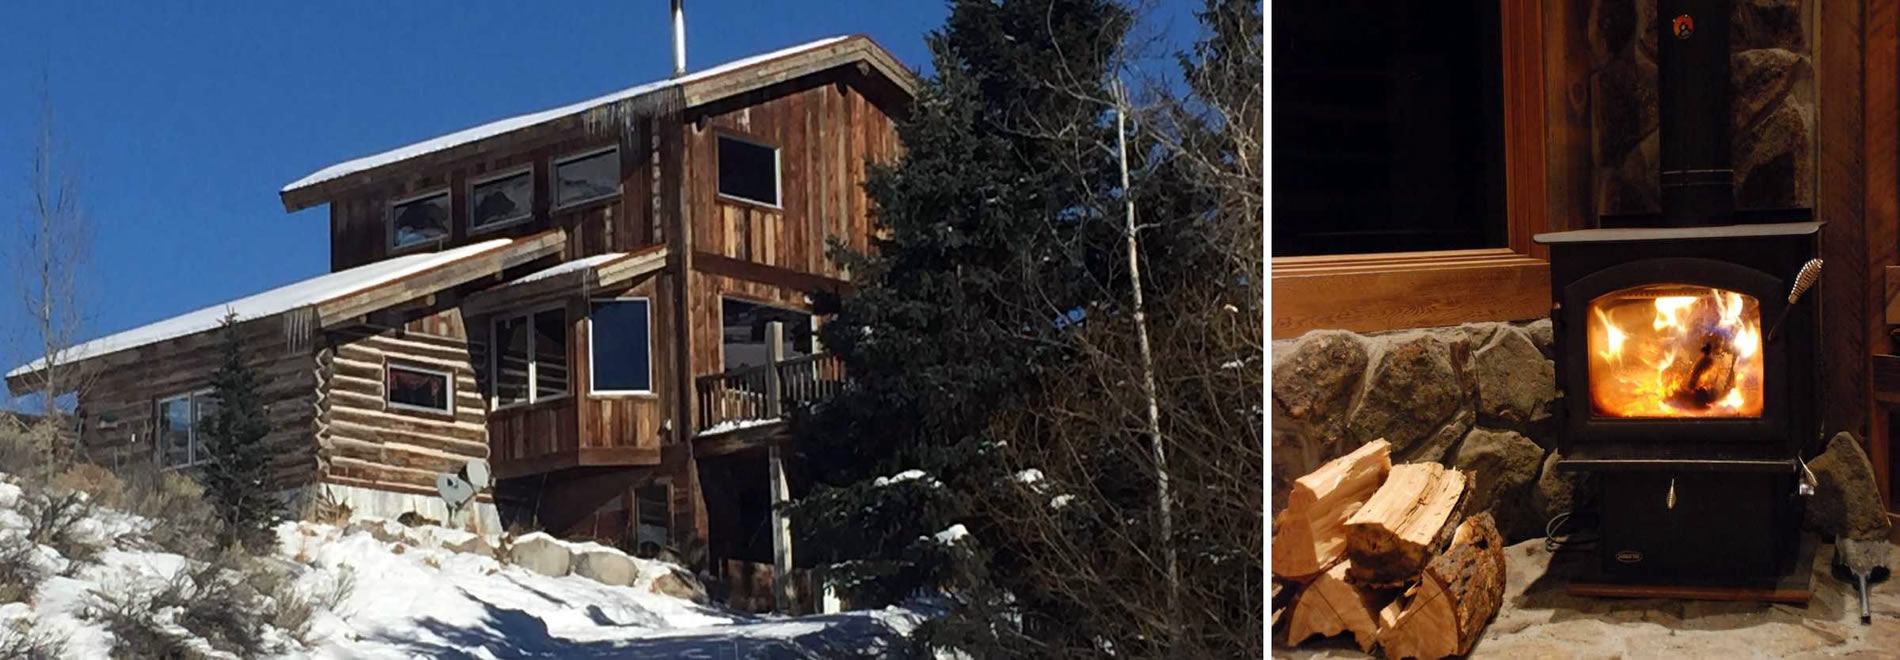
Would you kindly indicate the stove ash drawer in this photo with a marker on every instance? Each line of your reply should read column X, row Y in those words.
column 1718, row 525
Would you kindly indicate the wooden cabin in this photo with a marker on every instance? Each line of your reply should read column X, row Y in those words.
column 584, row 297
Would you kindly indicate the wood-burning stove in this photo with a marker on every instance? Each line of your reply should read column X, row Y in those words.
column 1689, row 380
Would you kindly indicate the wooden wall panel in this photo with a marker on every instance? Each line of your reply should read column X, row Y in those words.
column 126, row 390
column 825, row 132
column 707, row 321
column 364, row 440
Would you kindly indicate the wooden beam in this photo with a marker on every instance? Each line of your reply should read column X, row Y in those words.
column 576, row 458
column 756, row 272
column 781, row 532
column 1880, row 98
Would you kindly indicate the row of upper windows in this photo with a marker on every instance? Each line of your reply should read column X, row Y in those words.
column 748, row 171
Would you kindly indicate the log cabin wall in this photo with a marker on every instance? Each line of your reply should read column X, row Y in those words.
column 128, row 387
column 366, row 442
column 359, row 221
column 826, row 128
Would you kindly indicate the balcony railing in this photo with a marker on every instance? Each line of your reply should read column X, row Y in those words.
column 763, row 392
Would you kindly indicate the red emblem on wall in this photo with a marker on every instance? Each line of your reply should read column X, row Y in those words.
column 1683, row 26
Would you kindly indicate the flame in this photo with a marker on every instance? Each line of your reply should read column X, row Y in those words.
column 1671, row 350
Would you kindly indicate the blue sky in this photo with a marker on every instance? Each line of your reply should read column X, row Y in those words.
column 184, row 119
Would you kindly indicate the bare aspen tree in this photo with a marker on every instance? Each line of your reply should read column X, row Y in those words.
column 53, row 243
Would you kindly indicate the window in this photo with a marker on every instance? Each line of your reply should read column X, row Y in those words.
column 502, row 200
column 654, row 515
column 181, row 425
column 748, row 171
column 530, row 357
column 743, row 342
column 587, row 177
column 419, row 220
column 619, row 346
column 1388, row 128
column 417, row 388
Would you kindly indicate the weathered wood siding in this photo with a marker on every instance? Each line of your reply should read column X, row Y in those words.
column 708, row 318
column 126, row 389
column 825, row 129
column 365, row 442
column 359, row 222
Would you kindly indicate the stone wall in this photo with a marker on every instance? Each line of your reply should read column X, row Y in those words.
column 1477, row 396
column 1772, row 97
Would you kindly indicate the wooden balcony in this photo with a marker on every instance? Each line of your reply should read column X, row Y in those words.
column 760, row 394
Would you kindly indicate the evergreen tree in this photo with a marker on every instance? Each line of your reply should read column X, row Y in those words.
column 236, row 477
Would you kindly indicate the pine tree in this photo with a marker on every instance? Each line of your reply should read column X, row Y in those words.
column 1001, row 231
column 236, row 477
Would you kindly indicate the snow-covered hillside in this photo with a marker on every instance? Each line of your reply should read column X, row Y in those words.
column 389, row 591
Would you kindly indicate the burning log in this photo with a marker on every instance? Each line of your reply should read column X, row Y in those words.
column 1454, row 599
column 1330, row 605
column 1309, row 536
column 1411, row 516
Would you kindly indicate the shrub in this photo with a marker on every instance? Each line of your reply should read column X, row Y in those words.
column 53, row 519
column 19, row 577
column 21, row 639
column 105, row 487
column 183, row 522
column 231, row 602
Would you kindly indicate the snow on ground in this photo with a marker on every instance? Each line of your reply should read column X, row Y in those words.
column 414, row 599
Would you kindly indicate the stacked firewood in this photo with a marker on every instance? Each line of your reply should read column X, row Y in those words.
column 1383, row 552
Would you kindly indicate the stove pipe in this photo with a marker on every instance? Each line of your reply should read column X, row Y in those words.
column 1698, row 186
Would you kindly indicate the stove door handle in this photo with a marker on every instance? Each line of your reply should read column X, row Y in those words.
column 1807, row 482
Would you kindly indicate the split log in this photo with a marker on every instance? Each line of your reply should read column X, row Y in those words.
column 1456, row 597
column 1397, row 531
column 1309, row 535
column 1329, row 605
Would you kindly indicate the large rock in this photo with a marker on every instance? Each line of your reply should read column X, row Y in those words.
column 1542, row 335
column 606, row 567
column 1846, row 501
column 1774, row 163
column 1417, row 397
column 1314, row 379
column 1632, row 184
column 474, row 544
column 1625, row 97
column 1516, row 383
column 1766, row 24
column 1503, row 465
column 1610, row 29
column 1759, row 78
column 1558, row 491
column 541, row 554
column 679, row 584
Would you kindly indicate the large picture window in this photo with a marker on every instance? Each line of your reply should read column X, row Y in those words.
column 743, row 341
column 417, row 388
column 419, row 220
column 748, row 171
column 587, row 177
column 502, row 200
column 619, row 346
column 181, row 426
column 1388, row 127
column 530, row 357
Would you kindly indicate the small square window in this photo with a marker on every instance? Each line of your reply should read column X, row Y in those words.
column 587, row 178
column 501, row 201
column 419, row 389
column 419, row 220
column 748, row 171
column 619, row 347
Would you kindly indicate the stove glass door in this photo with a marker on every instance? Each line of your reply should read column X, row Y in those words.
column 1675, row 350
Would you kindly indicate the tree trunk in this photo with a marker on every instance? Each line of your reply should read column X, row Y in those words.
column 1309, row 535
column 1330, row 605
column 1397, row 531
column 1455, row 598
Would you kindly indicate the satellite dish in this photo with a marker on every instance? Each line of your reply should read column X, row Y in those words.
column 455, row 491
column 476, row 472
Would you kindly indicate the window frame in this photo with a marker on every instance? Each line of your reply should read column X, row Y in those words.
column 534, row 365
column 447, row 375
column 554, row 178
column 1389, row 291
column 778, row 171
column 389, row 221
column 192, row 442
column 525, row 216
column 591, row 389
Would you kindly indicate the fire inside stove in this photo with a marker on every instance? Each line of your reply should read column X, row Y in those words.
column 1671, row 350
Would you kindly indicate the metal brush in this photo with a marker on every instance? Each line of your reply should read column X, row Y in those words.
column 1804, row 280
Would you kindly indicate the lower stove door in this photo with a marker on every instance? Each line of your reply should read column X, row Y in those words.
column 1716, row 527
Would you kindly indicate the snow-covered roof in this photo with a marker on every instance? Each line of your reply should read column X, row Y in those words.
column 501, row 126
column 275, row 301
column 582, row 263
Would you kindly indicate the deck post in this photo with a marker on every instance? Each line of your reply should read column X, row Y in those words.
column 781, row 493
